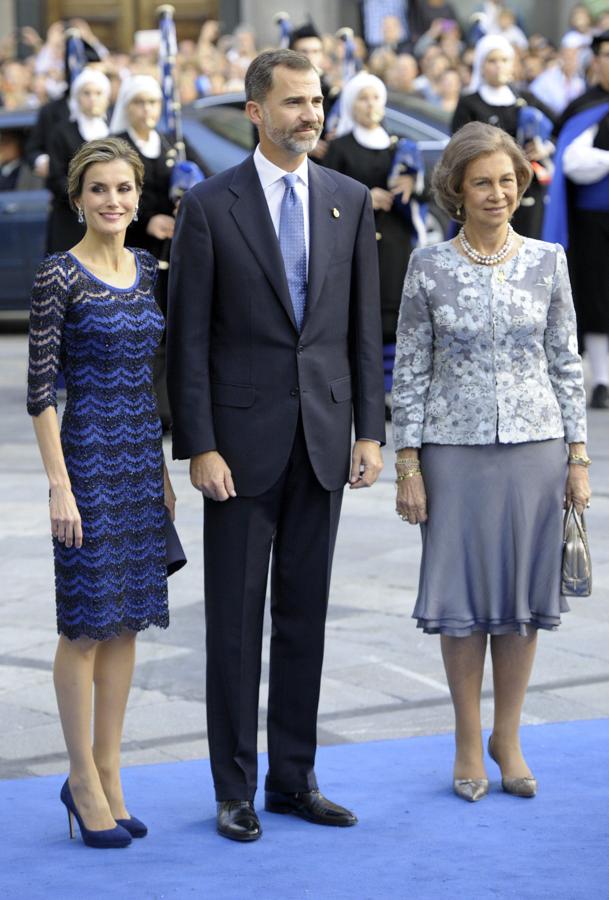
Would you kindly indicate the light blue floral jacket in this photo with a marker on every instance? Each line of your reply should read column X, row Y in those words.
column 487, row 353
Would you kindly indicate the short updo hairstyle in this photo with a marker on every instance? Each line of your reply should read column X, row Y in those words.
column 102, row 150
column 467, row 144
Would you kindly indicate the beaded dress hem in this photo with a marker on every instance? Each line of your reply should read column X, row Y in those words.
column 114, row 630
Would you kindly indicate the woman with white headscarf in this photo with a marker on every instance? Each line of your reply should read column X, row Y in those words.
column 365, row 151
column 135, row 118
column 491, row 97
column 88, row 105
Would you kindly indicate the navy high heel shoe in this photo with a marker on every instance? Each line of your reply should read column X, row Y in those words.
column 135, row 827
column 109, row 837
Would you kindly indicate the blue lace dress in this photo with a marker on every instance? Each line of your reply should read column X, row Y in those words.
column 103, row 338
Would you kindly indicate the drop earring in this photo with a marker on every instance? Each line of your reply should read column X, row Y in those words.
column 81, row 216
column 458, row 212
column 135, row 215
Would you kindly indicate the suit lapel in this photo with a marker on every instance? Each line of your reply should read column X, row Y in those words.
column 252, row 216
column 322, row 231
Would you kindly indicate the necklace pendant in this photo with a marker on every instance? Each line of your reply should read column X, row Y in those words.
column 500, row 275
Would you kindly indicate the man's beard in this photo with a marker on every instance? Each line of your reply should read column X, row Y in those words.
column 289, row 140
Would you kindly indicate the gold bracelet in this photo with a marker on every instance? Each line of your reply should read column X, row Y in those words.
column 578, row 459
column 407, row 463
column 405, row 475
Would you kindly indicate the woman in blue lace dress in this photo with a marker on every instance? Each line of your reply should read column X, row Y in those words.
column 94, row 316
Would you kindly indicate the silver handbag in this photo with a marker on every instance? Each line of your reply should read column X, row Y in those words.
column 576, row 572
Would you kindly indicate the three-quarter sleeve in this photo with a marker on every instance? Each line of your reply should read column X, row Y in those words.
column 413, row 358
column 564, row 363
column 47, row 312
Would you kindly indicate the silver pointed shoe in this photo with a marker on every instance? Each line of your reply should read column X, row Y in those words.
column 518, row 787
column 470, row 789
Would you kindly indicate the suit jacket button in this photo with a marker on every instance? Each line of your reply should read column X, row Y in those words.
column 300, row 348
column 294, row 392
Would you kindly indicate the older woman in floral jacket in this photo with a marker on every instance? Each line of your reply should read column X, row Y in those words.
column 490, row 430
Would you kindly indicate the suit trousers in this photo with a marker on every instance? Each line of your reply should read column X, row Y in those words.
column 296, row 522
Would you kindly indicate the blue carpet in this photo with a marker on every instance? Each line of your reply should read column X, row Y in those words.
column 415, row 839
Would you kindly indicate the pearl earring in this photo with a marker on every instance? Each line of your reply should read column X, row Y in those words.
column 81, row 216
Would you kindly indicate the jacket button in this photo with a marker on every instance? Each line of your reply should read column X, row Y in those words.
column 294, row 392
column 300, row 348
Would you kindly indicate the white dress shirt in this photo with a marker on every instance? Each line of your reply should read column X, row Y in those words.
column 273, row 186
column 584, row 163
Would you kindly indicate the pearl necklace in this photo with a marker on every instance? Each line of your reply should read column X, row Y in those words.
column 491, row 259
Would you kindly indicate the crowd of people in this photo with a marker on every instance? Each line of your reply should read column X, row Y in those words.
column 430, row 56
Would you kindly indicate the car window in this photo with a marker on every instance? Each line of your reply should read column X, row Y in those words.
column 409, row 127
column 421, row 109
column 229, row 122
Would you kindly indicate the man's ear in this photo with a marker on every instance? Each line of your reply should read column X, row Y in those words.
column 254, row 112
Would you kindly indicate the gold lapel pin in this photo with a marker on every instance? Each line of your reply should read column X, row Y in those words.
column 335, row 212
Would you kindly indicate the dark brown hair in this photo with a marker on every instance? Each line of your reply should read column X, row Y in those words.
column 259, row 75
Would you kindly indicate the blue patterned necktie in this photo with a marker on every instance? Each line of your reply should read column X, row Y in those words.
column 293, row 248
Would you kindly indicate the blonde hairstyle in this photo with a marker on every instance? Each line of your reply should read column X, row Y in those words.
column 102, row 150
column 467, row 144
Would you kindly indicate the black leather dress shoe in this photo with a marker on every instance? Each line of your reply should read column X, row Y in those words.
column 600, row 397
column 237, row 820
column 309, row 805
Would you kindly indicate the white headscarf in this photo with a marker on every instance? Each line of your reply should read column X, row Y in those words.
column 130, row 88
column 373, row 138
column 494, row 96
column 90, row 127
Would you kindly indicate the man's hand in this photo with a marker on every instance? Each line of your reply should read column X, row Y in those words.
column 366, row 464
column 210, row 475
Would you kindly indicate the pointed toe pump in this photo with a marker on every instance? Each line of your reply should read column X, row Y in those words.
column 518, row 787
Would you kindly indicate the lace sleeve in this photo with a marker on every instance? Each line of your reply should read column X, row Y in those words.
column 413, row 358
column 47, row 311
column 564, row 362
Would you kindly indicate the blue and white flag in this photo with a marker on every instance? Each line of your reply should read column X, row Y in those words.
column 76, row 58
column 282, row 19
column 167, row 59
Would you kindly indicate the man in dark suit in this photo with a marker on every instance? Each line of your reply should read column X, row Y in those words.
column 273, row 348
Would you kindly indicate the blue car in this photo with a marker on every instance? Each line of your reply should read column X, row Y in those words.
column 23, row 224
column 221, row 134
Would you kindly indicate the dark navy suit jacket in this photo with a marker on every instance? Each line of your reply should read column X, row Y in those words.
column 239, row 373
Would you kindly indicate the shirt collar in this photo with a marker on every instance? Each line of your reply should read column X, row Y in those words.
column 151, row 148
column 269, row 173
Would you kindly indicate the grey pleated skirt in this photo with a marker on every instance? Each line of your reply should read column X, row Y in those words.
column 493, row 540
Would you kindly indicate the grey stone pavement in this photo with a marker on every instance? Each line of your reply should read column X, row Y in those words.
column 382, row 677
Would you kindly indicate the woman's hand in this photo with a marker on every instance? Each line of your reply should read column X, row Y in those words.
column 402, row 187
column 169, row 494
column 411, row 500
column 578, row 490
column 538, row 151
column 381, row 199
column 66, row 525
column 161, row 226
